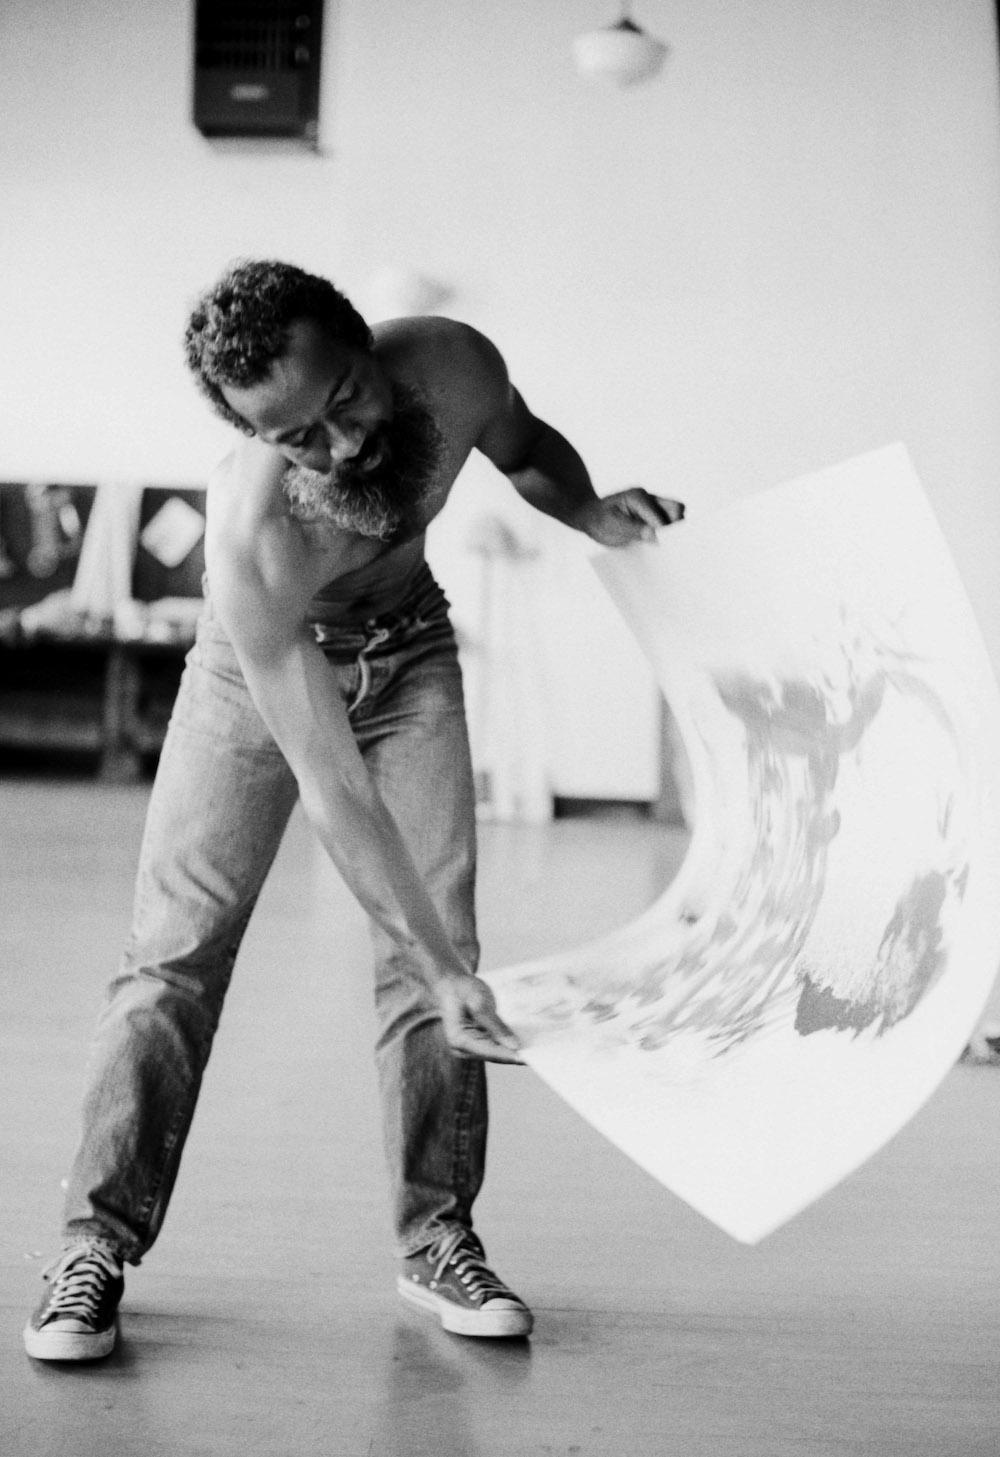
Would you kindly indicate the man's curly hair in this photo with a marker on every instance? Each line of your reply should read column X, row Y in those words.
column 240, row 325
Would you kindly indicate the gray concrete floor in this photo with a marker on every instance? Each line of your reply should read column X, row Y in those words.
column 265, row 1320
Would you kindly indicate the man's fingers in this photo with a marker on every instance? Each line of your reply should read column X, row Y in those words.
column 480, row 1033
column 487, row 1021
column 475, row 1042
column 659, row 510
column 653, row 511
column 642, row 506
column 486, row 1051
column 672, row 510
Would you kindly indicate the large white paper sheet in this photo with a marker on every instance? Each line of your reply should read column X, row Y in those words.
column 816, row 967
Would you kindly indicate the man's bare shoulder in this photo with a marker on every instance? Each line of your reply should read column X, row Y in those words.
column 444, row 356
column 427, row 333
column 252, row 543
column 245, row 499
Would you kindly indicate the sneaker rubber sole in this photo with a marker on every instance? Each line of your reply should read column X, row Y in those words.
column 53, row 1344
column 506, row 1321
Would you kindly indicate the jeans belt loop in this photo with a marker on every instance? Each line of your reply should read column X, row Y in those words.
column 377, row 638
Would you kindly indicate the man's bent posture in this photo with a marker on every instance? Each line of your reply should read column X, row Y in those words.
column 325, row 669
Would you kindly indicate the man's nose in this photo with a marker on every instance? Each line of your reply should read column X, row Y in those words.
column 330, row 445
column 344, row 440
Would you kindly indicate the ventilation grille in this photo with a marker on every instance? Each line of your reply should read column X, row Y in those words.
column 257, row 67
column 254, row 35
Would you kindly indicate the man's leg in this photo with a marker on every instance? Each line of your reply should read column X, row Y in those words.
column 412, row 731
column 413, row 736
column 222, row 798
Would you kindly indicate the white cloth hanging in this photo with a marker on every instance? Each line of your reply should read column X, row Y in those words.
column 103, row 577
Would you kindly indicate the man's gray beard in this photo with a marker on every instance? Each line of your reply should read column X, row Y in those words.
column 383, row 502
column 314, row 496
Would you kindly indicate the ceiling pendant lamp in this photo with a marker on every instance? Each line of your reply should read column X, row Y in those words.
column 622, row 53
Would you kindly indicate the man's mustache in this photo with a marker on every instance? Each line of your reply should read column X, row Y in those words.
column 376, row 450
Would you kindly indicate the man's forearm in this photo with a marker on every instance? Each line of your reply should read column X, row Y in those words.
column 364, row 842
column 297, row 696
column 554, row 479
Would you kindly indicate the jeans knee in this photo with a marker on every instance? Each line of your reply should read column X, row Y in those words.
column 166, row 997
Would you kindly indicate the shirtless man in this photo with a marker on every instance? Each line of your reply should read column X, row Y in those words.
column 325, row 669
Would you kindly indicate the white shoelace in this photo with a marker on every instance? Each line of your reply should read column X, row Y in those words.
column 78, row 1278
column 457, row 1248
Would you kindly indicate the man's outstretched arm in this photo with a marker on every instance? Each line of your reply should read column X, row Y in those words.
column 549, row 472
column 259, row 595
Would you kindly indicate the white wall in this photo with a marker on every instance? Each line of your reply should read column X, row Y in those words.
column 781, row 253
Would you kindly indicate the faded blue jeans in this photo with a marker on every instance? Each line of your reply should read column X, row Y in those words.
column 222, row 798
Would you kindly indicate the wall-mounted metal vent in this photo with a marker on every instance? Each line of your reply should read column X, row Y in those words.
column 257, row 68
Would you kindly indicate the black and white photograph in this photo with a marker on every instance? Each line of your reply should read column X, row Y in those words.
column 500, row 728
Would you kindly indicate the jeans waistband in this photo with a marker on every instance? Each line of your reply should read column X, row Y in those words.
column 424, row 604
